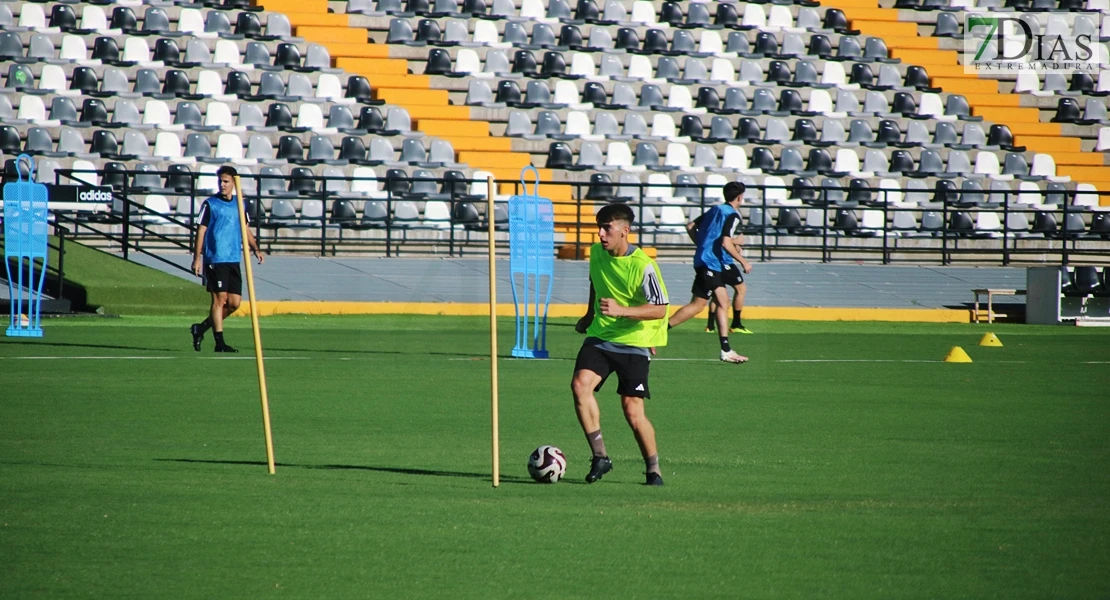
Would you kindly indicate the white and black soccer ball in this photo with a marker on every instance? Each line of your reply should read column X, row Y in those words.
column 547, row 464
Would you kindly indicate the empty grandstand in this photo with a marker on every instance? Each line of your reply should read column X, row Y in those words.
column 372, row 126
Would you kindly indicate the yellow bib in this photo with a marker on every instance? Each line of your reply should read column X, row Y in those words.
column 622, row 278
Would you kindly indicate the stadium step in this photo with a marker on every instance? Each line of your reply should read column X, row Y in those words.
column 452, row 113
column 925, row 58
column 871, row 14
column 486, row 144
column 406, row 97
column 993, row 99
column 846, row 4
column 474, row 129
column 910, row 43
column 327, row 20
column 1051, row 145
column 295, row 6
column 1099, row 176
column 966, row 86
column 892, row 27
column 951, row 72
column 342, row 34
column 371, row 66
column 1007, row 115
column 340, row 51
column 411, row 82
column 1042, row 129
column 1089, row 159
column 485, row 160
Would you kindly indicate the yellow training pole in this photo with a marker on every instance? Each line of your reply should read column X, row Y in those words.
column 493, row 333
column 254, row 326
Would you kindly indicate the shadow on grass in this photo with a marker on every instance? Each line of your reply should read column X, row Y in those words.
column 395, row 470
column 420, row 352
column 105, row 346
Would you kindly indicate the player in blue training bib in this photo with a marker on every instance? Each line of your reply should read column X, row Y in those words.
column 216, row 258
column 708, row 234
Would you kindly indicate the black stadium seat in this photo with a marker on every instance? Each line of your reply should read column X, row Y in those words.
column 438, row 63
column 570, row 36
column 279, row 115
column 1067, row 111
column 124, row 18
column 671, row 13
column 179, row 177
column 248, row 25
column 238, row 84
column 115, row 175
column 84, row 79
column 371, row 120
column 176, row 83
column 524, row 62
column 105, row 49
column 1000, row 135
column 1082, row 281
column 104, row 143
column 508, row 92
column 167, row 51
column 290, row 148
column 554, row 64
column 726, row 15
column 301, row 180
column 559, row 156
column 63, row 17
column 586, row 11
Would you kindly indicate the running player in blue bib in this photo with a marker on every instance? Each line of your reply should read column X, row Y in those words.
column 216, row 257
column 708, row 233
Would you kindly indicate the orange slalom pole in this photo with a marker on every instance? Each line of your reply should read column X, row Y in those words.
column 254, row 326
column 493, row 334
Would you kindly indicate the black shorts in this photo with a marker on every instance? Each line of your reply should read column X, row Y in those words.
column 631, row 369
column 732, row 275
column 705, row 281
column 223, row 277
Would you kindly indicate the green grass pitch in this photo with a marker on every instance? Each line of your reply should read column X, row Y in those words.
column 132, row 467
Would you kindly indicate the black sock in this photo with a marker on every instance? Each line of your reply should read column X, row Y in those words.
column 219, row 335
column 724, row 344
column 736, row 323
column 652, row 464
column 205, row 325
column 711, row 324
column 597, row 445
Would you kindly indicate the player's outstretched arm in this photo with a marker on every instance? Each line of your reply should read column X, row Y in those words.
column 198, row 250
column 584, row 323
column 644, row 312
column 734, row 251
column 252, row 243
column 692, row 230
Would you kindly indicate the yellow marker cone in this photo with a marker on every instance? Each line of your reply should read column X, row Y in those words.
column 989, row 339
column 957, row 355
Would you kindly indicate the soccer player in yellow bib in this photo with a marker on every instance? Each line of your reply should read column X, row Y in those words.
column 626, row 318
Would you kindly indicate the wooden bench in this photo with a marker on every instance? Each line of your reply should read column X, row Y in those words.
column 990, row 293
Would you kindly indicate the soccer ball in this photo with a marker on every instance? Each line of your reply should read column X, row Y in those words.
column 547, row 464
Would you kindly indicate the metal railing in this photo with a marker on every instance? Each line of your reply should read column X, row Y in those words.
column 829, row 224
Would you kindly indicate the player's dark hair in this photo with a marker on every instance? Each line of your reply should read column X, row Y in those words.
column 618, row 211
column 734, row 189
column 226, row 170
